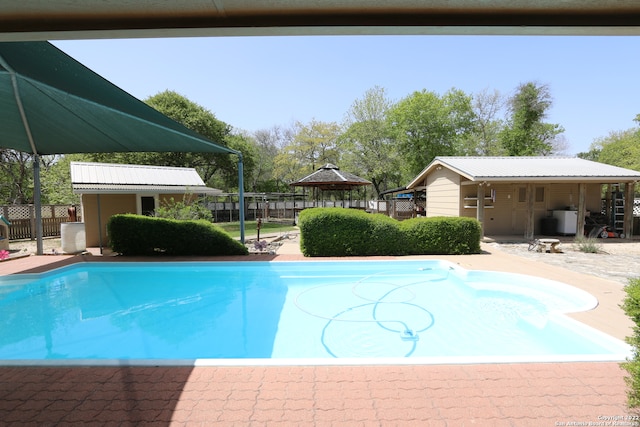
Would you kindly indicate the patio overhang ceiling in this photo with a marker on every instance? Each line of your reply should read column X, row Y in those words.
column 64, row 19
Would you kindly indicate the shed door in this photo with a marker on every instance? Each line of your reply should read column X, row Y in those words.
column 520, row 211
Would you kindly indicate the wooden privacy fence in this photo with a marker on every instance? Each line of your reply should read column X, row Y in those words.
column 23, row 220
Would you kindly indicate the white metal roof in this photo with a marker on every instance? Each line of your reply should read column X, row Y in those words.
column 520, row 169
column 89, row 177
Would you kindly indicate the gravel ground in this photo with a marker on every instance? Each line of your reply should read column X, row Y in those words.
column 615, row 260
column 29, row 246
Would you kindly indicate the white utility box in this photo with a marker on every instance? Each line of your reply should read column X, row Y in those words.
column 567, row 222
column 73, row 237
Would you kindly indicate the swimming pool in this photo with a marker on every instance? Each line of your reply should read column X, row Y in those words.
column 293, row 312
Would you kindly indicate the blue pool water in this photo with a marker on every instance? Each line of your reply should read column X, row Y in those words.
column 315, row 310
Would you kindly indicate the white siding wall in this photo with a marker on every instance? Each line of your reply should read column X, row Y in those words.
column 443, row 193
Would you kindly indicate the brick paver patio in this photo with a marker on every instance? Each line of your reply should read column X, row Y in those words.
column 528, row 394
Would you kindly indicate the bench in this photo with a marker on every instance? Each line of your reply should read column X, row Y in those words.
column 551, row 243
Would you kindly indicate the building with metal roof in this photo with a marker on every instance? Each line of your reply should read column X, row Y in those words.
column 109, row 178
column 107, row 189
column 515, row 195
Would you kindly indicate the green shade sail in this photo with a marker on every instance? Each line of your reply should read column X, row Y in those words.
column 70, row 109
column 52, row 104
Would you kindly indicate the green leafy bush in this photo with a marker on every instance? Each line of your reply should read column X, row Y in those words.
column 184, row 209
column 142, row 235
column 345, row 232
column 442, row 235
column 631, row 306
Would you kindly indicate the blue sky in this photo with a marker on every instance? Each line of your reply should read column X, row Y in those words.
column 255, row 83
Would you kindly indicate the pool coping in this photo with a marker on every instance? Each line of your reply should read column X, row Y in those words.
column 601, row 318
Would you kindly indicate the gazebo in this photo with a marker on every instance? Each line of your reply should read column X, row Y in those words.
column 330, row 178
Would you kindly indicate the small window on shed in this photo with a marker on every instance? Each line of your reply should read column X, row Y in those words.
column 522, row 194
column 539, row 194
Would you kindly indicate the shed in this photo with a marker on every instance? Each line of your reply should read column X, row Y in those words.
column 107, row 189
column 512, row 195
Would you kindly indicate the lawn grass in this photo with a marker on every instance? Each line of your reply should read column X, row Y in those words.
column 233, row 228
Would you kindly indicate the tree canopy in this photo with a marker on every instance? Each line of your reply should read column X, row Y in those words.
column 384, row 141
column 526, row 133
column 369, row 149
column 619, row 148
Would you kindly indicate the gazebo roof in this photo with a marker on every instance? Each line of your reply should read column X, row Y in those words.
column 330, row 177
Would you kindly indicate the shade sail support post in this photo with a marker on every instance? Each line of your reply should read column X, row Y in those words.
column 37, row 202
column 37, row 199
column 241, row 195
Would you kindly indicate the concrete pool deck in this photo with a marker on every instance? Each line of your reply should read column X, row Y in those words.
column 518, row 394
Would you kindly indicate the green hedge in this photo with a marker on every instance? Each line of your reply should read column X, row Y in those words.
column 346, row 232
column 442, row 235
column 142, row 235
column 631, row 306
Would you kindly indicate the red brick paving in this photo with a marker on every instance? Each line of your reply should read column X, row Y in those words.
column 432, row 395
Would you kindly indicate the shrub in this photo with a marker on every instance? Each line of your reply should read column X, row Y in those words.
column 142, row 235
column 345, row 232
column 587, row 245
column 188, row 208
column 631, row 306
column 442, row 235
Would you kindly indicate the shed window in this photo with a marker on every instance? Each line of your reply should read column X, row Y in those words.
column 539, row 194
column 522, row 194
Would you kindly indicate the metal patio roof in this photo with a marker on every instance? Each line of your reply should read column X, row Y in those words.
column 523, row 169
column 87, row 177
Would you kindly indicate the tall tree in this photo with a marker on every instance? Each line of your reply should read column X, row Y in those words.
column 619, row 148
column 16, row 177
column 56, row 180
column 369, row 150
column 312, row 146
column 484, row 139
column 526, row 133
column 196, row 118
column 268, row 144
column 427, row 125
column 227, row 171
